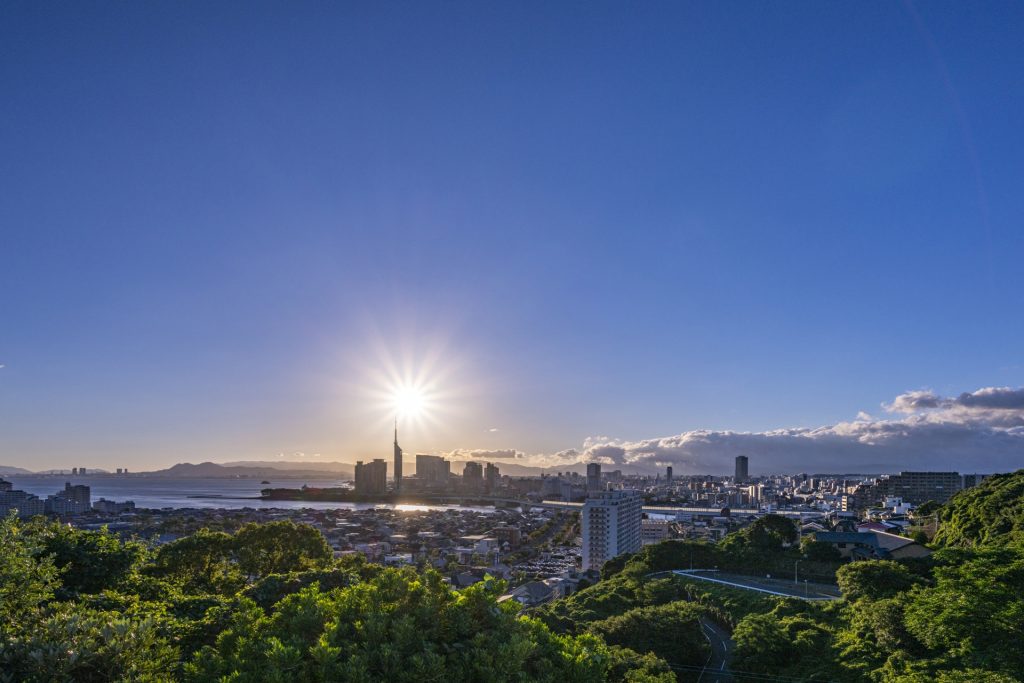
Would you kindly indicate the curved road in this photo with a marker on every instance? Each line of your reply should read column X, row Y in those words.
column 716, row 671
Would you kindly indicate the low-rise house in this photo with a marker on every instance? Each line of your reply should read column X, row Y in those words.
column 872, row 545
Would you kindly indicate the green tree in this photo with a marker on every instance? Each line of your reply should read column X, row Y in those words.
column 27, row 576
column 874, row 579
column 279, row 548
column 90, row 561
column 671, row 631
column 202, row 562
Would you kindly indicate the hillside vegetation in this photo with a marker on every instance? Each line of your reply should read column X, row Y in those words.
column 987, row 514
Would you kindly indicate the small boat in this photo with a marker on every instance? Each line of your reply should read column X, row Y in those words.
column 264, row 482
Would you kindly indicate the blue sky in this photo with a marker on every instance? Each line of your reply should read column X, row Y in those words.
column 223, row 223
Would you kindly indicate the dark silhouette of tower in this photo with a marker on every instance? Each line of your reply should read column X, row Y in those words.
column 398, row 460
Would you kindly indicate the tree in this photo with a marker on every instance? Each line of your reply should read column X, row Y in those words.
column 874, row 579
column 279, row 548
column 27, row 576
column 90, row 561
column 819, row 551
column 200, row 563
column 671, row 631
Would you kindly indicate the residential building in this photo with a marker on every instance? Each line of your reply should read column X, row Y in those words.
column 371, row 477
column 611, row 525
column 872, row 545
column 653, row 531
column 73, row 500
column 492, row 477
column 432, row 470
column 593, row 477
column 473, row 476
column 919, row 487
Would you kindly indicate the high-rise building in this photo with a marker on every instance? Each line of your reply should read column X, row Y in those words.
column 491, row 477
column 668, row 474
column 593, row 477
column 398, row 461
column 473, row 476
column 432, row 470
column 372, row 477
column 611, row 526
column 742, row 473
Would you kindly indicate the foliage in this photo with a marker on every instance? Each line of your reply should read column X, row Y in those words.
column 27, row 579
column 670, row 631
column 89, row 606
column 991, row 512
column 874, row 579
column 90, row 561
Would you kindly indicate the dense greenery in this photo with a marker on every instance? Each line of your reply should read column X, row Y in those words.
column 957, row 616
column 269, row 603
column 989, row 513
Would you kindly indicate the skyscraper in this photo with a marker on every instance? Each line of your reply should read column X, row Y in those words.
column 668, row 474
column 398, row 461
column 741, row 469
column 593, row 478
column 611, row 526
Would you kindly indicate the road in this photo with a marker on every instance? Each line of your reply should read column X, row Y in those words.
column 715, row 671
column 781, row 587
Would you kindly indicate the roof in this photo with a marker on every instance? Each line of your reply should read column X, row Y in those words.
column 880, row 542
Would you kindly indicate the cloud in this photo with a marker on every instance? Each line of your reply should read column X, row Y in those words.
column 980, row 431
column 492, row 429
column 482, row 454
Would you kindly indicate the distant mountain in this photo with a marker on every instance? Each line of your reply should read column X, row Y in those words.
column 8, row 470
column 294, row 465
column 211, row 470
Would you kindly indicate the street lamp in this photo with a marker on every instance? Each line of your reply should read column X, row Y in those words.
column 796, row 569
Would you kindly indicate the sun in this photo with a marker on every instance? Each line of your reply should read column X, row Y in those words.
column 409, row 402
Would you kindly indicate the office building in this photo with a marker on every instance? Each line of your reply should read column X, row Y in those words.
column 668, row 474
column 432, row 470
column 611, row 525
column 742, row 473
column 371, row 477
column 398, row 461
column 492, row 477
column 593, row 477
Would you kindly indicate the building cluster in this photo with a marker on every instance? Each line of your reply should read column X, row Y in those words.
column 74, row 499
column 433, row 475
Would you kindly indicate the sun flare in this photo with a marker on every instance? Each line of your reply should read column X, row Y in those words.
column 409, row 402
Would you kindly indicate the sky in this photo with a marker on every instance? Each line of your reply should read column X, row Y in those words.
column 642, row 233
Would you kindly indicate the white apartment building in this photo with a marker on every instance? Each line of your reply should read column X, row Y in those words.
column 611, row 526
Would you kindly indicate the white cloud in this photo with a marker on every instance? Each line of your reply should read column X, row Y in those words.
column 981, row 431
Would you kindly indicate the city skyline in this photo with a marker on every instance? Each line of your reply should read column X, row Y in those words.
column 639, row 236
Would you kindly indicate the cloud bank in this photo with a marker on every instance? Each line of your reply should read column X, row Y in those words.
column 980, row 431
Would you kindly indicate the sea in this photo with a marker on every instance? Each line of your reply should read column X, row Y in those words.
column 233, row 494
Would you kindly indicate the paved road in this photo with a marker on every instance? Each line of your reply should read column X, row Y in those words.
column 715, row 671
column 815, row 591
